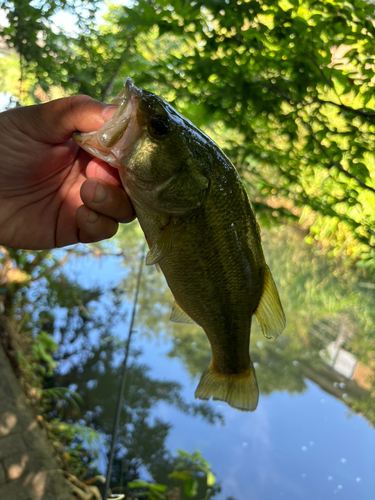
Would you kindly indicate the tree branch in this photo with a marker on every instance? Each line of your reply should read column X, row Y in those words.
column 360, row 112
column 335, row 163
column 53, row 268
column 107, row 89
column 321, row 147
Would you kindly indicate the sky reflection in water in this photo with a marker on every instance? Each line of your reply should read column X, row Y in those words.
column 297, row 444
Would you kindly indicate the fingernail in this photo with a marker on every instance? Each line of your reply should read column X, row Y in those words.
column 100, row 193
column 92, row 217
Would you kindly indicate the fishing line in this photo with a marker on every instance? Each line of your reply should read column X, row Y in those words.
column 122, row 384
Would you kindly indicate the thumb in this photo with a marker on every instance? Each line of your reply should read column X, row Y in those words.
column 55, row 121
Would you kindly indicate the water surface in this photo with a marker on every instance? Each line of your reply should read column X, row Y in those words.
column 312, row 434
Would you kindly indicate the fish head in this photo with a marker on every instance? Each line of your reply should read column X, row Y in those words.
column 146, row 139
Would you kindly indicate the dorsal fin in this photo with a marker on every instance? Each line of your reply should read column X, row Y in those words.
column 269, row 313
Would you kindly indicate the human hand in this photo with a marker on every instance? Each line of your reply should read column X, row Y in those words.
column 45, row 177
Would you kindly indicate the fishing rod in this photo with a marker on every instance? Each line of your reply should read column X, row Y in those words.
column 122, row 384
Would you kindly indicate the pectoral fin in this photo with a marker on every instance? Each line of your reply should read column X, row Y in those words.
column 269, row 313
column 162, row 247
column 180, row 316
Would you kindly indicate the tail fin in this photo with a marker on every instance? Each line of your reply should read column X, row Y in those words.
column 239, row 390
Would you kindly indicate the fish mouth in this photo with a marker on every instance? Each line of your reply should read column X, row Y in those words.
column 101, row 143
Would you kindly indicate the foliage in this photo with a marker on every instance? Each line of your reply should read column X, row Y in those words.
column 9, row 74
column 285, row 87
column 189, row 468
column 79, row 446
column 149, row 490
column 188, row 464
column 61, row 399
column 305, row 117
column 42, row 350
column 320, row 290
column 32, row 32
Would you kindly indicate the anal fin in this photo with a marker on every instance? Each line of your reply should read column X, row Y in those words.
column 179, row 316
column 269, row 313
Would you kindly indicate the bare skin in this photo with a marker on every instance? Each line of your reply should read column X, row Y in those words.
column 52, row 193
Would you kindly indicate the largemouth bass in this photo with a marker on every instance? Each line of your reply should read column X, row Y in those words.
column 201, row 230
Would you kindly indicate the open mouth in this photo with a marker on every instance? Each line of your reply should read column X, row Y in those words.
column 100, row 143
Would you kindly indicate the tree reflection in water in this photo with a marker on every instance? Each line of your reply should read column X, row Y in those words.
column 90, row 360
column 141, row 438
column 321, row 298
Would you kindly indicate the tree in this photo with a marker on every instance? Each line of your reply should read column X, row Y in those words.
column 285, row 87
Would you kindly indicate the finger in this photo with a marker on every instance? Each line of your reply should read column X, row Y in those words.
column 101, row 170
column 107, row 199
column 55, row 121
column 93, row 226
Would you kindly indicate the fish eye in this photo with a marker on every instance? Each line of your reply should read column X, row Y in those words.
column 159, row 125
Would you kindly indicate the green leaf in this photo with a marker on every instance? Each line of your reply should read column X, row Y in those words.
column 191, row 488
column 211, row 479
column 181, row 475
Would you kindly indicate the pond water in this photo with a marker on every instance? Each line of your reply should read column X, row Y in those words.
column 312, row 434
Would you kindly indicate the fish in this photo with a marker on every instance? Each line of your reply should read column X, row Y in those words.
column 201, row 231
